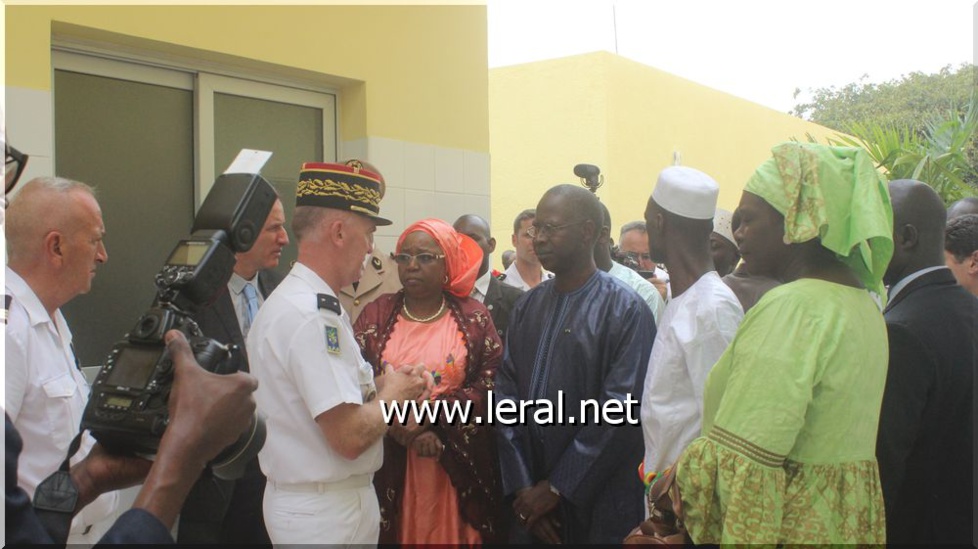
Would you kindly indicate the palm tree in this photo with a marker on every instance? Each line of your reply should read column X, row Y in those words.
column 942, row 156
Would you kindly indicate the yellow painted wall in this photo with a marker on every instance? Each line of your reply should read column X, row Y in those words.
column 627, row 118
column 412, row 73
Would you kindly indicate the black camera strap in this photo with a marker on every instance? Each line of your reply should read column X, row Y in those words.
column 56, row 498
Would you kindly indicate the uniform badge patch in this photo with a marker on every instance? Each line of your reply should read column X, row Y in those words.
column 332, row 340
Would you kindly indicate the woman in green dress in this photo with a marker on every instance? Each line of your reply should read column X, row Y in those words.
column 787, row 450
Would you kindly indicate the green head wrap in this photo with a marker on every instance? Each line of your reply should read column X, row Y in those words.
column 836, row 195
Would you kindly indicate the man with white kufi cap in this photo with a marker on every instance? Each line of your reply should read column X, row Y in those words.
column 699, row 321
column 723, row 248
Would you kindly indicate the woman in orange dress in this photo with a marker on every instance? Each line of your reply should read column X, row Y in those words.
column 439, row 482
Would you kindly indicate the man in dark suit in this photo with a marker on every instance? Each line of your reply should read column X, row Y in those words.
column 496, row 296
column 925, row 444
column 221, row 511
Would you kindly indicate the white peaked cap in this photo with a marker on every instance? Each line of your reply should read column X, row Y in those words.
column 686, row 192
column 723, row 225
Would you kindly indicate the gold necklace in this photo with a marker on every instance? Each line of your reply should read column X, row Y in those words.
column 407, row 312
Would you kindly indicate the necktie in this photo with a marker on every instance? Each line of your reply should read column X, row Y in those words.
column 251, row 306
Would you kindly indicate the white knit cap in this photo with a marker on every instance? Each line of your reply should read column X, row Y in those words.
column 722, row 225
column 686, row 192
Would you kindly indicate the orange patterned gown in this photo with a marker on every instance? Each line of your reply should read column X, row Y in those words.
column 429, row 509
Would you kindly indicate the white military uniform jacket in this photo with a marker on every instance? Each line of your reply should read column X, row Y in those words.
column 302, row 350
column 45, row 395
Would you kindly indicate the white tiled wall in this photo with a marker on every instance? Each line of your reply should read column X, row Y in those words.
column 424, row 181
column 30, row 128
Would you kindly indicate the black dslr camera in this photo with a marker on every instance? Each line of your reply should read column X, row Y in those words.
column 127, row 411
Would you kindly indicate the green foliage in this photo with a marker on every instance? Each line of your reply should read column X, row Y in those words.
column 910, row 101
column 922, row 127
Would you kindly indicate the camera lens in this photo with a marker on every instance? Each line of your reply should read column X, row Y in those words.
column 230, row 463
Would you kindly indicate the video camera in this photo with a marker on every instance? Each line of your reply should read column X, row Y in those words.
column 127, row 411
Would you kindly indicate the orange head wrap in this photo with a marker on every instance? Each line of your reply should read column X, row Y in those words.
column 463, row 256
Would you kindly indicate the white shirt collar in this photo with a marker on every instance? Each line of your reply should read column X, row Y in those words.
column 481, row 288
column 311, row 278
column 28, row 299
column 899, row 286
column 237, row 283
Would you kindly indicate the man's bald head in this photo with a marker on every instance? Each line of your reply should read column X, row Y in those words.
column 919, row 218
column 473, row 221
column 567, row 225
column 964, row 206
column 577, row 200
column 477, row 228
column 44, row 204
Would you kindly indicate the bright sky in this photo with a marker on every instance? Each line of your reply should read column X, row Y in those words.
column 760, row 50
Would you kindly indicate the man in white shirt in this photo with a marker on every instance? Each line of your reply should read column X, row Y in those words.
column 324, row 419
column 633, row 240
column 499, row 298
column 699, row 322
column 54, row 234
column 525, row 272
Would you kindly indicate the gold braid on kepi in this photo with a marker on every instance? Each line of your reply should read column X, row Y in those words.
column 348, row 186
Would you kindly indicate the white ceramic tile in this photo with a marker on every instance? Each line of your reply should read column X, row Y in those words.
column 478, row 205
column 419, row 205
column 476, row 173
column 30, row 121
column 388, row 156
column 37, row 166
column 449, row 170
column 392, row 207
column 356, row 148
column 419, row 166
column 448, row 206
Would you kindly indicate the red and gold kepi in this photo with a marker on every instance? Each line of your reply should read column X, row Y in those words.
column 348, row 186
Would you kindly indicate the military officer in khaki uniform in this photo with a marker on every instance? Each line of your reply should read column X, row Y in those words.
column 379, row 278
column 379, row 274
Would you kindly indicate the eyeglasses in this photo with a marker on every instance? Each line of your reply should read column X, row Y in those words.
column 422, row 258
column 547, row 229
column 14, row 167
column 636, row 256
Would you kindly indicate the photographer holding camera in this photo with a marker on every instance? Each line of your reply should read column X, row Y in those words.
column 55, row 241
column 207, row 413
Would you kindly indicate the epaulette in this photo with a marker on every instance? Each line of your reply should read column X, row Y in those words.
column 7, row 302
column 329, row 303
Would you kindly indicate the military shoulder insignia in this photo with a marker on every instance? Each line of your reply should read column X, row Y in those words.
column 333, row 340
column 7, row 302
column 330, row 303
column 375, row 261
column 501, row 277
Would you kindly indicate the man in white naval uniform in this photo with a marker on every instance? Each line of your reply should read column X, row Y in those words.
column 324, row 419
column 54, row 236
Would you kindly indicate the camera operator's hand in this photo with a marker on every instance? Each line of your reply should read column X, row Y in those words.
column 102, row 472
column 207, row 413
